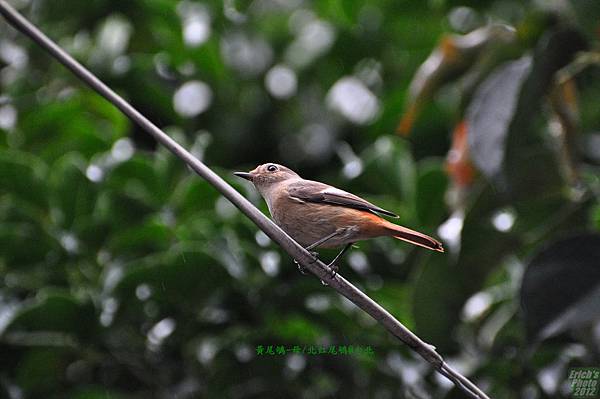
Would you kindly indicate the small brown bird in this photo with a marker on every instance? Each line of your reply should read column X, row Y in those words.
column 319, row 215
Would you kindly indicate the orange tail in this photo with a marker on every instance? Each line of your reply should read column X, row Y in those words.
column 414, row 237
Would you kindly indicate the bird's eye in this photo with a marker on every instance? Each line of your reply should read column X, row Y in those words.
column 271, row 168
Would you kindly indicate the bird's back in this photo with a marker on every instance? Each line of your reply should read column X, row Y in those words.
column 308, row 220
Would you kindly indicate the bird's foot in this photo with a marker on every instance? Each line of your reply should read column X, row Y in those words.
column 334, row 269
column 301, row 268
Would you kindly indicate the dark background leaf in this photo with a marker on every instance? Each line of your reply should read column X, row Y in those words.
column 563, row 277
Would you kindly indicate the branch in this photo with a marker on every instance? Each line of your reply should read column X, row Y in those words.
column 304, row 258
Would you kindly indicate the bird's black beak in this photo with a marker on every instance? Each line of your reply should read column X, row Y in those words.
column 244, row 175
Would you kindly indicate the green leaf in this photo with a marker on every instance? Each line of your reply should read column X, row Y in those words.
column 54, row 312
column 72, row 194
column 294, row 328
column 208, row 59
column 389, row 163
column 41, row 371
column 138, row 179
column 19, row 250
column 131, row 192
column 395, row 298
column 113, row 122
column 119, row 210
column 431, row 190
column 182, row 277
column 436, row 302
column 150, row 237
column 69, row 125
column 194, row 194
column 446, row 281
column 22, row 175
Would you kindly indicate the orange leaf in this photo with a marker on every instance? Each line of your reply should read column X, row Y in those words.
column 458, row 162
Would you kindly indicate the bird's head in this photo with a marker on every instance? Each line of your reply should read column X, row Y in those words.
column 267, row 175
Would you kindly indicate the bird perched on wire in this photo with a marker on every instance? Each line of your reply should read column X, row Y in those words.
column 319, row 215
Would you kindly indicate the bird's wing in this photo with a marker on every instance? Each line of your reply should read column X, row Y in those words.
column 313, row 191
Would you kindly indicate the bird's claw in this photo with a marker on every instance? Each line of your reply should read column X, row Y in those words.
column 301, row 268
column 332, row 266
column 334, row 269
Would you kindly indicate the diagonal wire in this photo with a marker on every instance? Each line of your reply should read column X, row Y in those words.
column 337, row 282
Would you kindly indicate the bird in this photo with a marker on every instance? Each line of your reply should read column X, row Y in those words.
column 317, row 215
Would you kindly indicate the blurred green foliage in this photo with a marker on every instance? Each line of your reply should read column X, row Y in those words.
column 123, row 275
